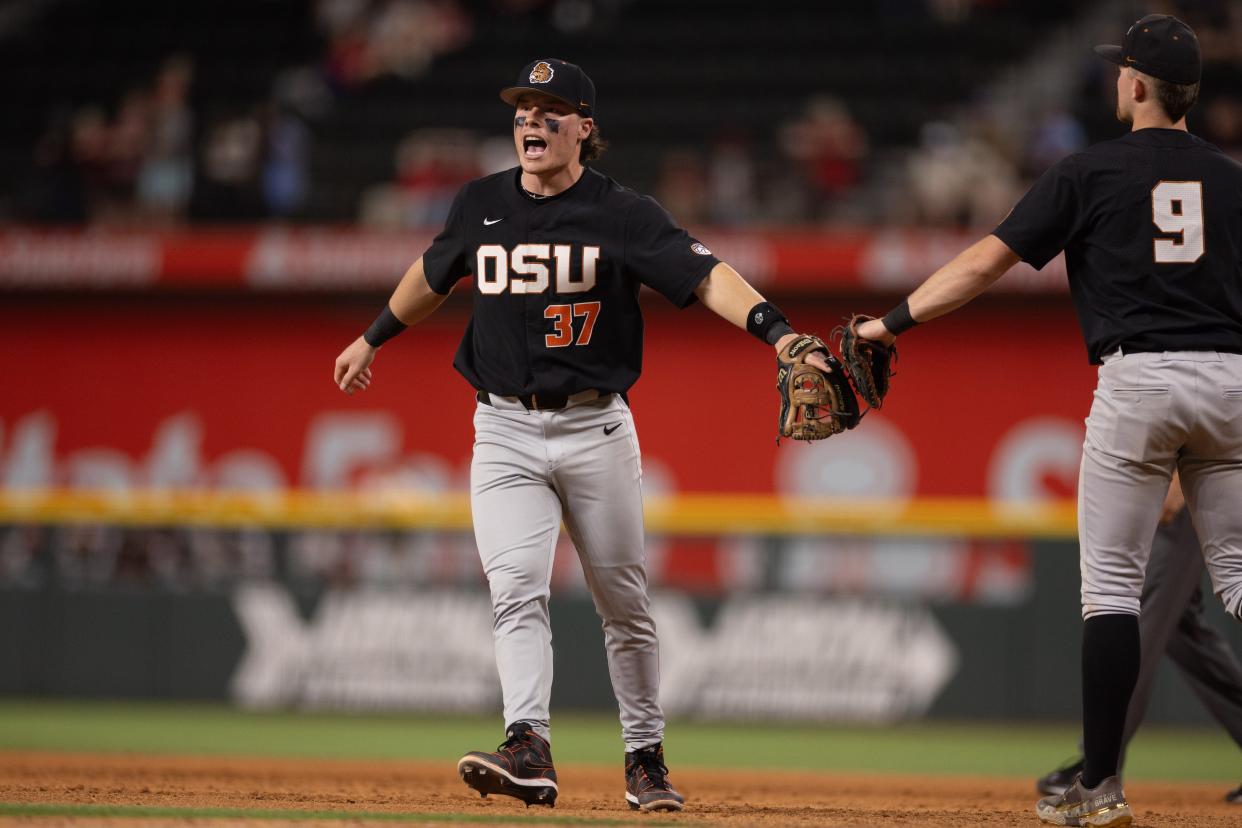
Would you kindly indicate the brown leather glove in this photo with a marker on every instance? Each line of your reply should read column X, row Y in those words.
column 814, row 405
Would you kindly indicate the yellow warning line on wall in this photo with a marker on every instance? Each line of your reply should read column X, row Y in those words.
column 684, row 514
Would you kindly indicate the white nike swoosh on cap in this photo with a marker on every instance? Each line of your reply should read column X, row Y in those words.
column 488, row 222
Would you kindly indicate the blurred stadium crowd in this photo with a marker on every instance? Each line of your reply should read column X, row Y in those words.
column 376, row 111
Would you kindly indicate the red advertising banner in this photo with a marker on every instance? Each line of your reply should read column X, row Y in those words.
column 283, row 259
column 987, row 402
column 236, row 393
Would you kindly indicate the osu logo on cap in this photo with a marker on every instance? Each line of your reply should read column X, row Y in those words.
column 542, row 73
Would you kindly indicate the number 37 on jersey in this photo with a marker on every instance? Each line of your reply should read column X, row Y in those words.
column 532, row 269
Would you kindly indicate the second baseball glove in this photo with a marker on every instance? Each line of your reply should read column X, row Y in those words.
column 814, row 405
column 869, row 363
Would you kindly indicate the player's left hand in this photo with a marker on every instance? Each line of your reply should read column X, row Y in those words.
column 816, row 359
column 874, row 330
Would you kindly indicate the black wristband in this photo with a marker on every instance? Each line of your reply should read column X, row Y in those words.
column 384, row 328
column 899, row 320
column 766, row 322
column 774, row 334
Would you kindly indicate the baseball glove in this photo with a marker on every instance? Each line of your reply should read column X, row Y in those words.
column 814, row 405
column 869, row 363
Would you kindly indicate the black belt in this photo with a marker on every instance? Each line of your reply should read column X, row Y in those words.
column 533, row 402
column 538, row 402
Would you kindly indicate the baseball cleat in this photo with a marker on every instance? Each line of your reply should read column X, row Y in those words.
column 646, row 781
column 1055, row 783
column 1234, row 797
column 521, row 767
column 1103, row 806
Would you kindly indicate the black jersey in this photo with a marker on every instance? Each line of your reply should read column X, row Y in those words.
column 556, row 281
column 1151, row 226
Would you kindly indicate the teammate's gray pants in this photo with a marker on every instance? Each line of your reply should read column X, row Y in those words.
column 1172, row 622
column 531, row 469
column 1153, row 413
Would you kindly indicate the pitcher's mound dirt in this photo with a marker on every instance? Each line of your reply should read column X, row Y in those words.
column 715, row 797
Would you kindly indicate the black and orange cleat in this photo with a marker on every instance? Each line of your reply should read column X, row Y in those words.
column 646, row 781
column 521, row 768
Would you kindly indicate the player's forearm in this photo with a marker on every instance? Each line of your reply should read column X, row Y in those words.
column 970, row 273
column 727, row 294
column 414, row 300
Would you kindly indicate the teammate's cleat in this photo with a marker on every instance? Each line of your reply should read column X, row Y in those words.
column 1234, row 797
column 646, row 781
column 1055, row 782
column 1103, row 806
column 521, row 768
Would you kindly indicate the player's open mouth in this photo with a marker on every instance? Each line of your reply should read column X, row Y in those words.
column 533, row 147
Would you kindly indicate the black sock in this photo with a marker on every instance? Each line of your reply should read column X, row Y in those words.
column 1110, row 667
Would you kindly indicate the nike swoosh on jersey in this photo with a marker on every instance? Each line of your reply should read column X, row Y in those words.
column 489, row 222
column 611, row 429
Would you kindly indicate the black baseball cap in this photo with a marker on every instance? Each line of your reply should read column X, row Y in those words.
column 562, row 80
column 1161, row 46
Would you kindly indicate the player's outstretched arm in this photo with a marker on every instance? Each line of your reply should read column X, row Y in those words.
column 970, row 273
column 728, row 295
column 816, row 398
column 412, row 302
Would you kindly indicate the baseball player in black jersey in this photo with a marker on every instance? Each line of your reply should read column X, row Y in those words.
column 558, row 253
column 1151, row 226
column 1172, row 623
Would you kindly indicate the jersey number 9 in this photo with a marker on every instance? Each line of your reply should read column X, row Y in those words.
column 1177, row 207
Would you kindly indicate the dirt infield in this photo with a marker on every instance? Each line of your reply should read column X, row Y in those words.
column 352, row 790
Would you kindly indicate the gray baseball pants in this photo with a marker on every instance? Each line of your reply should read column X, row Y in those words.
column 1154, row 413
column 530, row 471
column 1172, row 623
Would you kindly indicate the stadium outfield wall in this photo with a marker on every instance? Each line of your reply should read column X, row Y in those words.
column 189, row 508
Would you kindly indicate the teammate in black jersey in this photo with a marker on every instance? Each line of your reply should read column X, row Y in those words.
column 559, row 253
column 1151, row 226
